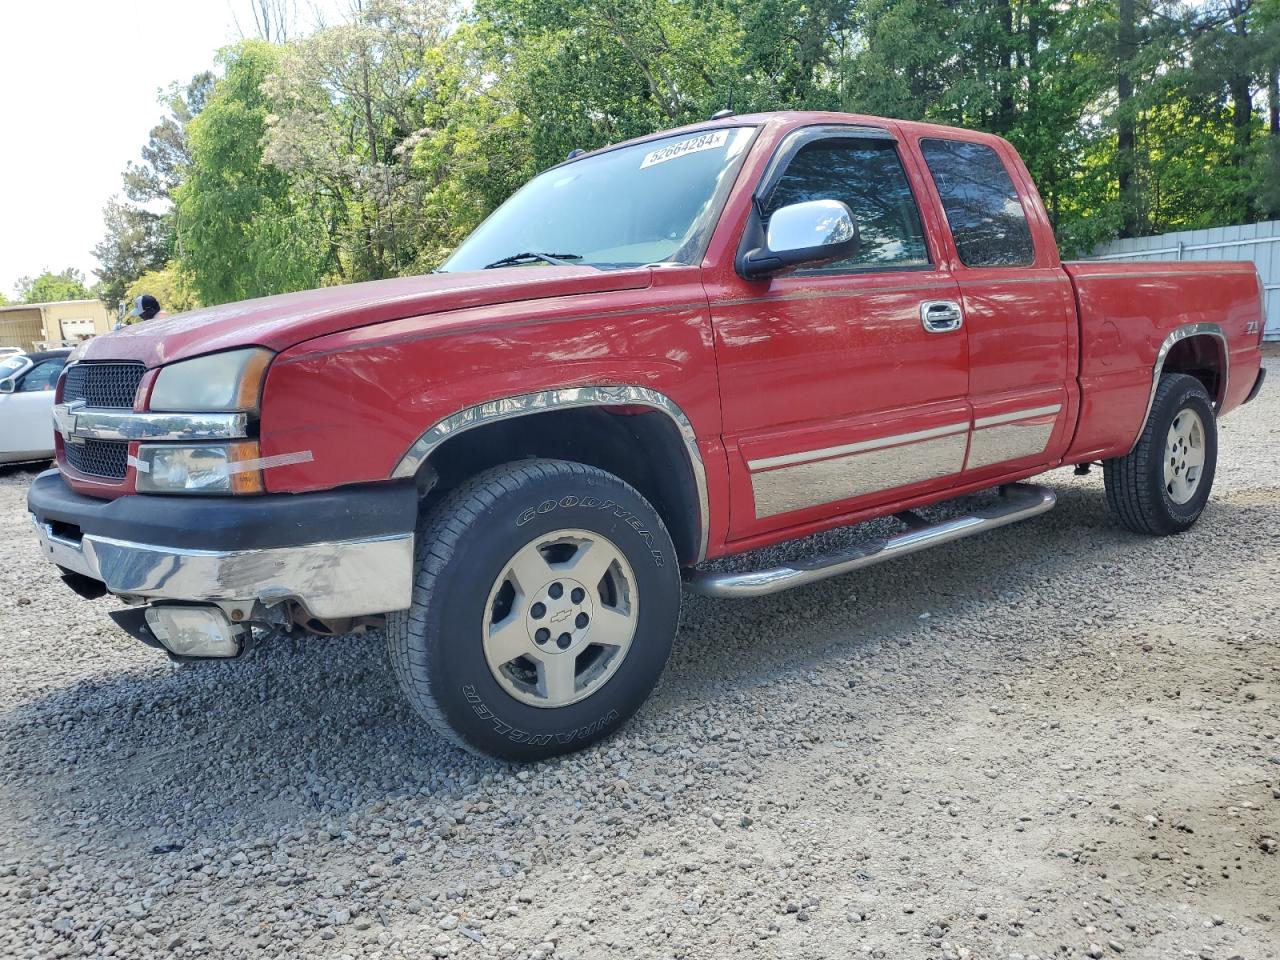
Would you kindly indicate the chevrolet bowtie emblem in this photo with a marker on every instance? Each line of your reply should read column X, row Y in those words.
column 64, row 418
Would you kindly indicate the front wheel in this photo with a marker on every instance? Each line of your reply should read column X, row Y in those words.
column 1162, row 485
column 546, row 598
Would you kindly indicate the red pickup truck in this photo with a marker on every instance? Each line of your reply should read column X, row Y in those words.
column 686, row 346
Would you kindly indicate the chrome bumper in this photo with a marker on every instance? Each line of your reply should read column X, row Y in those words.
column 345, row 578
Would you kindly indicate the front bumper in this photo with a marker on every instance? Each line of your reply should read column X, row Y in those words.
column 239, row 550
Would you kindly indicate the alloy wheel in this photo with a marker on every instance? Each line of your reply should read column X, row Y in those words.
column 560, row 618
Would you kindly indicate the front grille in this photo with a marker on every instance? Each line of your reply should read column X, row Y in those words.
column 103, row 384
column 99, row 458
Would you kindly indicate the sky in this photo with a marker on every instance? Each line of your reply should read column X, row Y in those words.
column 79, row 81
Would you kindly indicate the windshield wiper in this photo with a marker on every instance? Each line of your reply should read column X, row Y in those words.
column 555, row 259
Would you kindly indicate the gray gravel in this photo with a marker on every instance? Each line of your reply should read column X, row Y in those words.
column 1056, row 740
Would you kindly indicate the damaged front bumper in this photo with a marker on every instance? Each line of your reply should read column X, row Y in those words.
column 337, row 554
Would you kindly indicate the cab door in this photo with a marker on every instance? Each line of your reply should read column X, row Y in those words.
column 843, row 386
column 1018, row 305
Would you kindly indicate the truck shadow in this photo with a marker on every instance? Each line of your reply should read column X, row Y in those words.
column 309, row 729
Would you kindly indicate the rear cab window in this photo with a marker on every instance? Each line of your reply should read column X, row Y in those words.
column 982, row 205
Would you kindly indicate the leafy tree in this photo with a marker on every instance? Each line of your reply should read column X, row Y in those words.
column 136, row 240
column 370, row 148
column 167, row 155
column 585, row 73
column 51, row 287
column 137, row 237
column 348, row 111
column 240, row 230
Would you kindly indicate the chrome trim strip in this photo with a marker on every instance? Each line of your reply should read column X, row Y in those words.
column 1025, row 501
column 1177, row 336
column 1016, row 415
column 91, row 423
column 333, row 579
column 831, row 480
column 807, row 456
column 1008, row 441
column 564, row 399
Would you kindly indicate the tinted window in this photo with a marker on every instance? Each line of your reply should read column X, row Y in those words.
column 867, row 175
column 43, row 376
column 986, row 217
column 648, row 203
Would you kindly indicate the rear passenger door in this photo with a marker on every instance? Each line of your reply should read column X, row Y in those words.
column 1018, row 306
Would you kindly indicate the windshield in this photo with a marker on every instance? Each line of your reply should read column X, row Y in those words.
column 11, row 365
column 653, row 202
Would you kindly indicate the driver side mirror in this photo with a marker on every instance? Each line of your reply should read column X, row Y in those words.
column 815, row 231
column 7, row 386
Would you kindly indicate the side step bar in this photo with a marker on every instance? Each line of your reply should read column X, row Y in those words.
column 1018, row 502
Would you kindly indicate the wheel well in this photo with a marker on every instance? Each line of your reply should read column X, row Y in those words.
column 1200, row 357
column 643, row 448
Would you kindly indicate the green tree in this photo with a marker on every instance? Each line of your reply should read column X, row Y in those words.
column 139, row 230
column 241, row 232
column 585, row 73
column 167, row 154
column 348, row 111
column 51, row 287
column 136, row 240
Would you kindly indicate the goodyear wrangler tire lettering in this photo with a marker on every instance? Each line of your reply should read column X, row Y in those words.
column 443, row 648
column 593, row 503
column 516, row 735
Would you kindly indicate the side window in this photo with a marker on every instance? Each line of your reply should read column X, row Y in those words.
column 982, row 206
column 868, row 176
column 43, row 376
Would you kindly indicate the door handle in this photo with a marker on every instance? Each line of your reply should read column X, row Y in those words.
column 941, row 316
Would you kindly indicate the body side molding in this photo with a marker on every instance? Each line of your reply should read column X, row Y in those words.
column 565, row 398
column 1185, row 332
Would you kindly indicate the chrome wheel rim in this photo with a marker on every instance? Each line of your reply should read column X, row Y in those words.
column 1184, row 456
column 560, row 618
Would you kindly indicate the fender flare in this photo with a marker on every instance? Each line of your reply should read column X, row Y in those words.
column 1186, row 332
column 565, row 398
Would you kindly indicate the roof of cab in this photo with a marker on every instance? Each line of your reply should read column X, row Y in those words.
column 788, row 119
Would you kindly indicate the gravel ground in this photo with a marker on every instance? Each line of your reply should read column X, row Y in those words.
column 1057, row 740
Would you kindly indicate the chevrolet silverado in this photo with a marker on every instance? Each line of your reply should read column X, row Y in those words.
column 654, row 355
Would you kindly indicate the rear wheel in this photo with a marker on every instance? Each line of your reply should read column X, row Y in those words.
column 1163, row 484
column 546, row 599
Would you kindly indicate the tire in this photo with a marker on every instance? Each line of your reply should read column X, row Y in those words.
column 1181, row 429
column 471, row 654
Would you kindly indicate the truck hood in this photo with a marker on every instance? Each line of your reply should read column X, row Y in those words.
column 282, row 321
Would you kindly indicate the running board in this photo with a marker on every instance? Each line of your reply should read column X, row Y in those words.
column 1017, row 502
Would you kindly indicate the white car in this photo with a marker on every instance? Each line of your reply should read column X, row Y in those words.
column 27, row 382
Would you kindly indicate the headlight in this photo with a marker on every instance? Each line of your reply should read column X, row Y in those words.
column 216, row 468
column 221, row 382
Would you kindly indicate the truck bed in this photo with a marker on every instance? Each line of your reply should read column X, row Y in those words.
column 1128, row 311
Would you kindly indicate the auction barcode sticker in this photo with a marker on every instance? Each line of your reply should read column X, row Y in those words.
column 706, row 141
